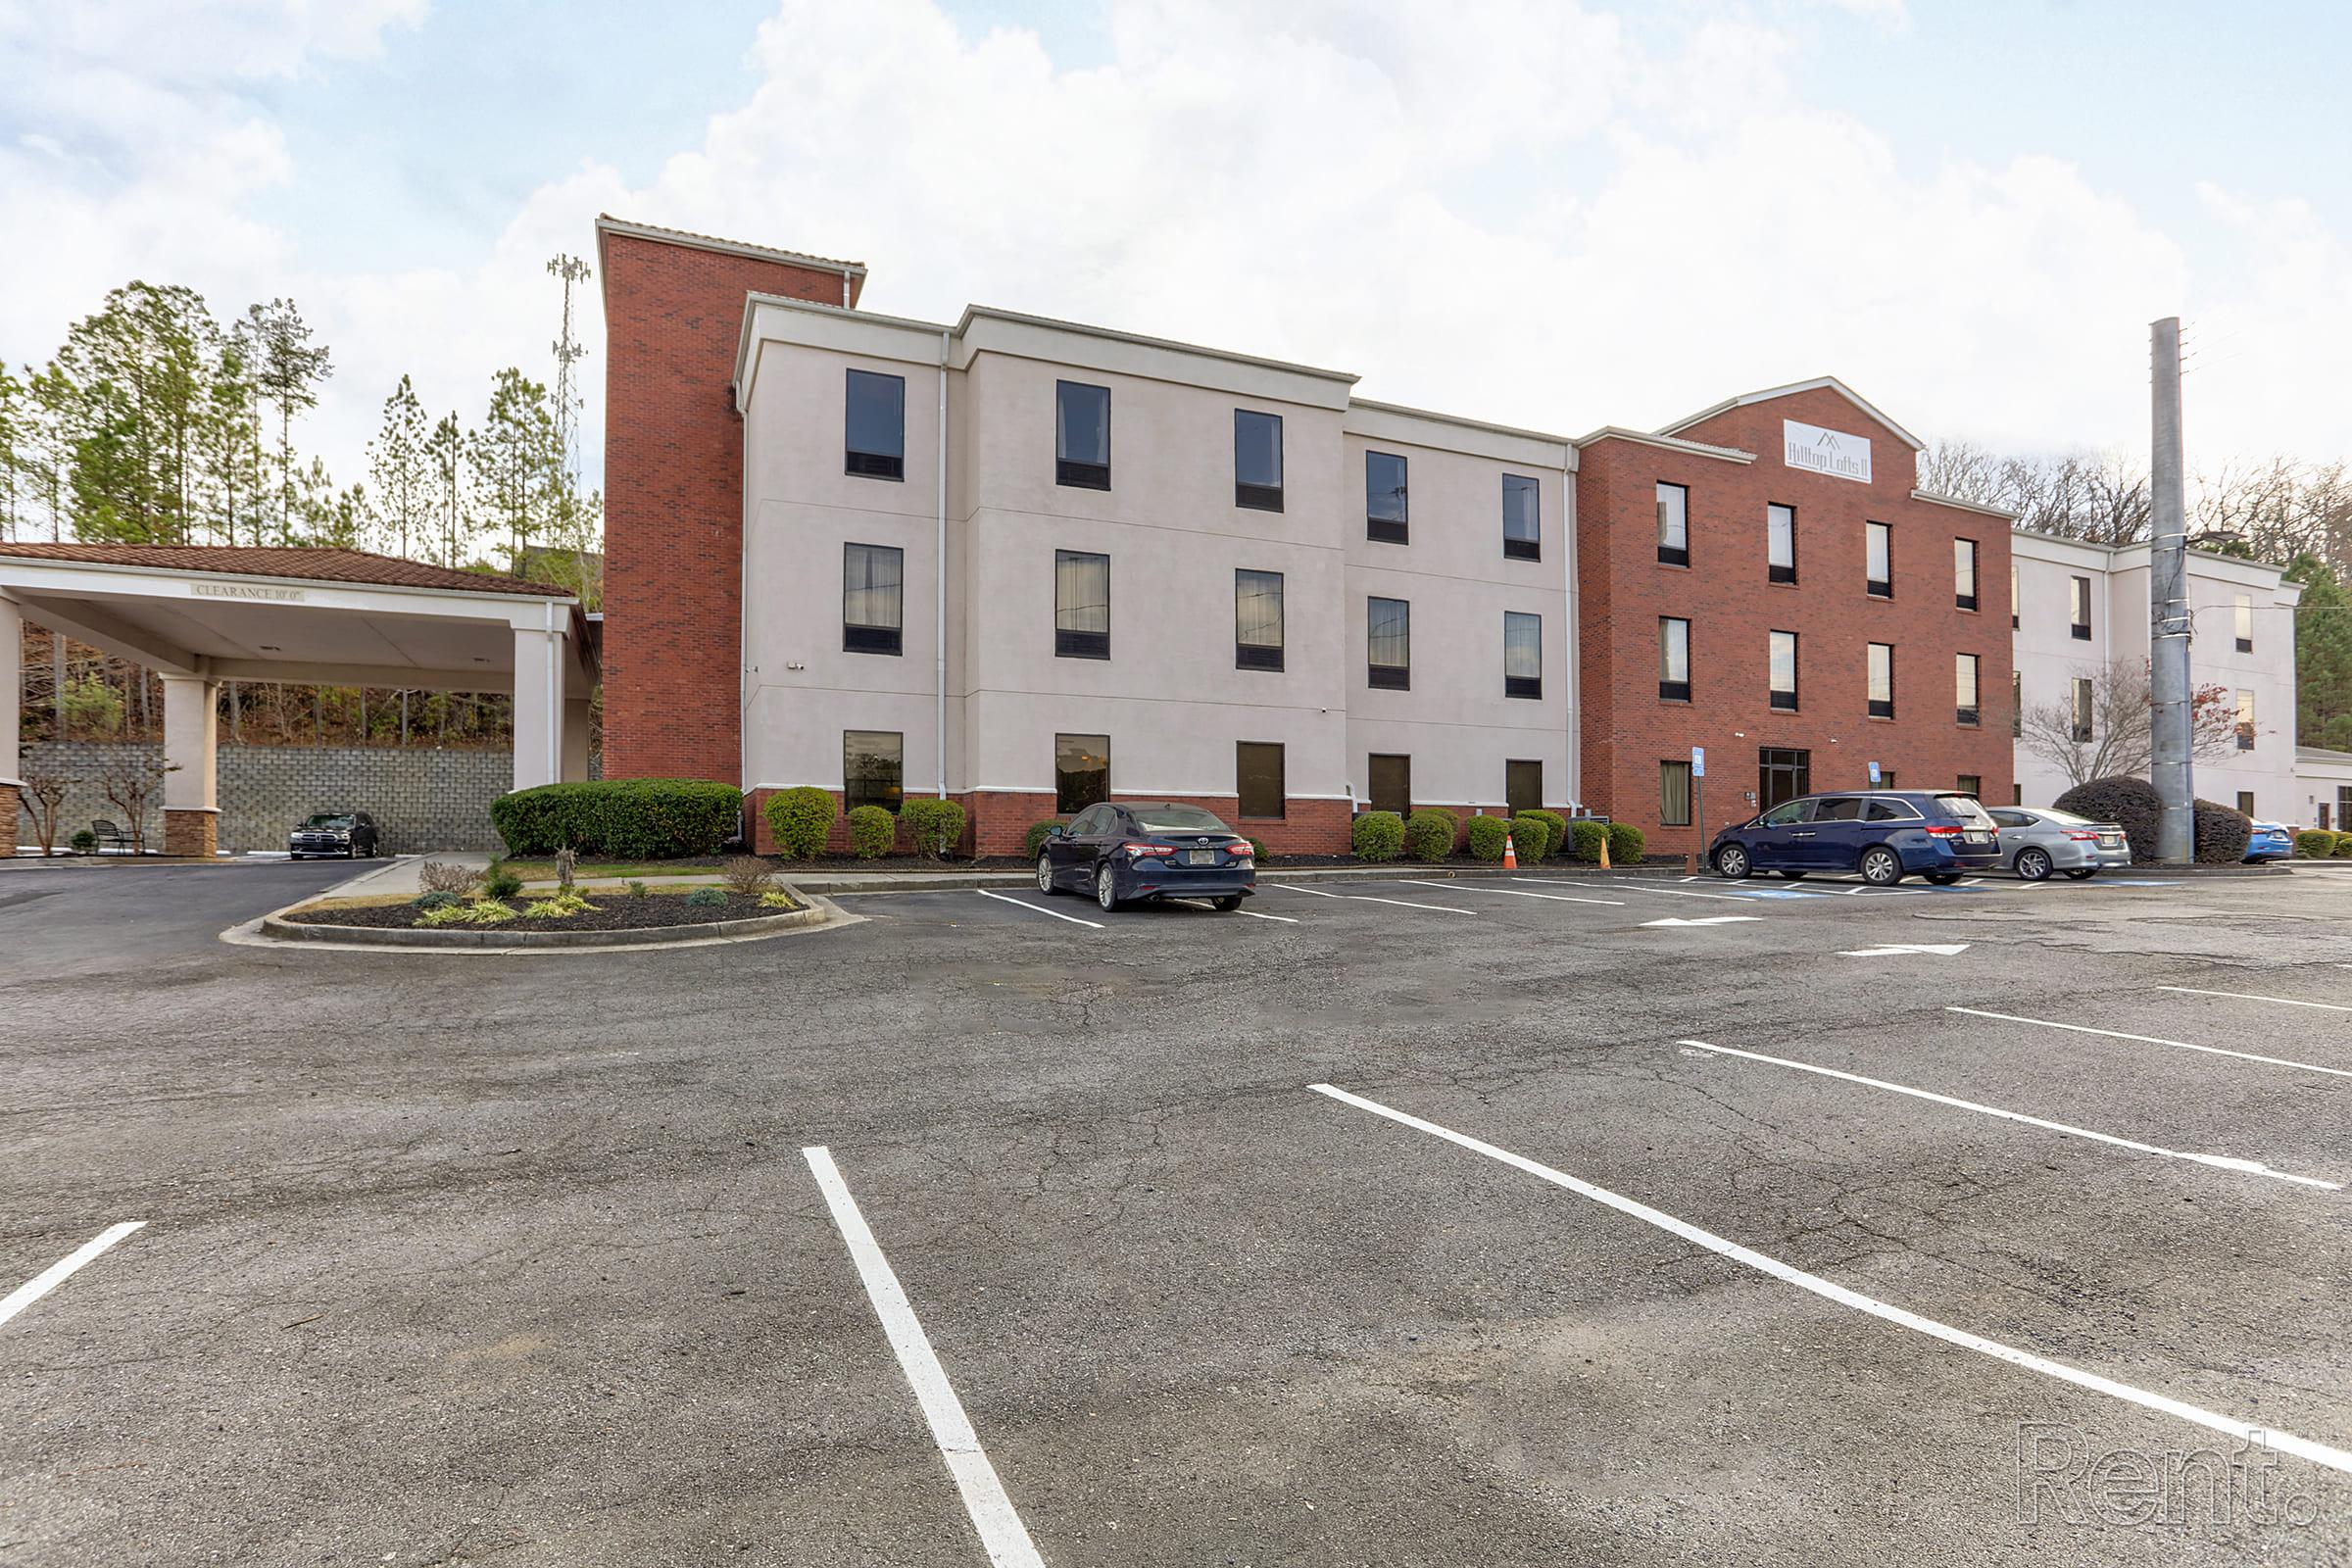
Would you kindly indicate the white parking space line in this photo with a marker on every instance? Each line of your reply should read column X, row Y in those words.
column 1036, row 909
column 2248, row 996
column 2244, row 1167
column 1366, row 897
column 1203, row 904
column 1516, row 892
column 1675, row 893
column 57, row 1273
column 2155, row 1040
column 1000, row 1530
column 2259, row 1434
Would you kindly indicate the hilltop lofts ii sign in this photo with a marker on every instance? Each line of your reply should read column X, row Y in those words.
column 1818, row 451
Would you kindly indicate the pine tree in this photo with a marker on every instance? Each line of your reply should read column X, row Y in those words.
column 2323, row 657
column 517, row 460
column 445, row 451
column 288, row 369
column 400, row 462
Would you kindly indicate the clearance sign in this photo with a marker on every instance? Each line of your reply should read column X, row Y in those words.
column 1832, row 452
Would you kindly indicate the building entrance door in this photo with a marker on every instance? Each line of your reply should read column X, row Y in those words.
column 1781, row 774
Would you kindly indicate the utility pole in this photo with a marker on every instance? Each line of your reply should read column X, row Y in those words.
column 2170, row 623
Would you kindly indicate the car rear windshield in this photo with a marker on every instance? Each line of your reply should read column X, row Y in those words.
column 2065, row 818
column 1966, row 809
column 1176, row 819
column 328, row 819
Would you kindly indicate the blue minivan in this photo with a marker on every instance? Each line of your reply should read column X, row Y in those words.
column 1883, row 835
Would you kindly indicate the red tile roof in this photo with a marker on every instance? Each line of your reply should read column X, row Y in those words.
column 274, row 561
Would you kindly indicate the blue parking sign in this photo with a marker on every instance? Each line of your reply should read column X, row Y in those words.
column 1873, row 776
column 1698, row 761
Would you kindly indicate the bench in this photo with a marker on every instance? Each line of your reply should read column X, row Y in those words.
column 109, row 836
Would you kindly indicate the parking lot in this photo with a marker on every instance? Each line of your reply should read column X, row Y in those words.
column 1396, row 1221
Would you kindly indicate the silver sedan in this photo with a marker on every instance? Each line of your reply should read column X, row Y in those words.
column 2038, row 839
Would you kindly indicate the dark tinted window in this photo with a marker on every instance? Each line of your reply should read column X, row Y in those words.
column 1783, row 815
column 1674, row 524
column 1385, row 516
column 1837, row 808
column 1081, row 605
column 1081, row 771
column 1966, row 809
column 1174, row 818
column 1522, row 654
column 1389, row 643
column 1257, row 459
column 1257, row 619
column 1257, row 775
column 1522, row 517
column 1889, row 812
column 872, row 769
column 1082, row 435
column 878, row 425
column 872, row 598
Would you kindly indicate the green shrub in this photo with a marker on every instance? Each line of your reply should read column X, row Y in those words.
column 1531, row 838
column 1430, row 834
column 2314, row 844
column 2343, row 848
column 1036, row 838
column 1485, row 835
column 2131, row 803
column 778, row 899
column 705, row 898
column 2223, row 833
column 1378, row 836
column 638, row 890
column 872, row 831
column 1555, row 832
column 800, row 819
column 1257, row 848
column 480, row 912
column 1589, row 836
column 451, row 913
column 500, row 883
column 935, row 826
column 438, row 899
column 557, row 907
column 625, row 818
column 84, row 842
column 1627, row 844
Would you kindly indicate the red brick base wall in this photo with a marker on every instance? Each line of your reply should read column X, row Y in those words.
column 191, row 833
column 8, row 820
column 1000, row 821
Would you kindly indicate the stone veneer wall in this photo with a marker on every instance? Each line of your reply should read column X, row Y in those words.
column 421, row 799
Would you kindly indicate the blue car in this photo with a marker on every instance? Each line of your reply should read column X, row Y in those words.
column 2271, row 841
column 1883, row 834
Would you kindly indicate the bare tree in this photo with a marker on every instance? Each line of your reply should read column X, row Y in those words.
column 2103, row 728
column 44, row 796
column 128, row 784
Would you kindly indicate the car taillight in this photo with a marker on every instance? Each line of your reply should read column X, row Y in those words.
column 1242, row 848
column 2083, row 834
column 1943, row 830
column 1141, row 850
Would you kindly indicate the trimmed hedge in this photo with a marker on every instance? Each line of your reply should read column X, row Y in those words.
column 872, row 831
column 1430, row 834
column 2131, row 802
column 2223, row 833
column 1531, row 838
column 1587, row 836
column 2343, row 848
column 1036, row 838
column 936, row 826
column 2314, row 844
column 625, row 818
column 1557, row 831
column 1378, row 835
column 800, row 820
column 1485, row 835
column 1627, row 844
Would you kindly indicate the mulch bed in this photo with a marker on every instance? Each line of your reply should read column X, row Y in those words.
column 613, row 911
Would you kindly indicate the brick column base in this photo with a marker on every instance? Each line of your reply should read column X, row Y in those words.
column 8, row 820
column 194, row 834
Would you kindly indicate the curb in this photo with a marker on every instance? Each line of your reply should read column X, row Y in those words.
column 504, row 941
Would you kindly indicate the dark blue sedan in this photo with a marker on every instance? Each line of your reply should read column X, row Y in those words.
column 1141, row 850
column 1883, row 835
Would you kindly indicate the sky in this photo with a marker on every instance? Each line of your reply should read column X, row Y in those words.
column 1551, row 215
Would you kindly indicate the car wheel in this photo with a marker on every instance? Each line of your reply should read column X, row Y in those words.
column 1943, row 879
column 1106, row 890
column 1228, row 904
column 2032, row 865
column 1732, row 862
column 1045, row 874
column 1794, row 876
column 2083, row 873
column 1880, row 867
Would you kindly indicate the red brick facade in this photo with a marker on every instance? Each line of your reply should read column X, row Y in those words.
column 673, row 499
column 1628, row 730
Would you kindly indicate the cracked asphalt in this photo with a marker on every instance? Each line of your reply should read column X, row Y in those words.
column 456, row 1259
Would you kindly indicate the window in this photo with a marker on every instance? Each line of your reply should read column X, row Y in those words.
column 2246, row 802
column 1784, row 671
column 1257, row 459
column 2012, row 596
column 1385, row 516
column 1522, row 654
column 1972, row 785
column 2017, row 704
column 1522, row 519
column 1674, row 659
column 1389, row 643
column 1890, row 810
column 2082, row 603
column 1881, row 681
column 2082, row 709
column 1257, row 778
column 1393, row 784
column 1783, row 775
column 2344, row 807
column 2245, row 722
column 1523, row 786
column 1787, row 813
column 1839, row 808
column 873, row 766
column 1257, row 620
column 876, row 426
column 2017, row 794
column 1878, row 544
column 2245, row 623
column 1081, row 605
column 1081, row 771
column 1964, row 687
column 872, row 599
column 1082, row 435
column 1886, row 778
column 1674, row 795
column 1780, row 544
column 1964, row 573
column 1674, row 524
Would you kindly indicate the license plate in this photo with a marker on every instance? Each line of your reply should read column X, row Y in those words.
column 2108, row 841
column 1199, row 857
column 1974, row 838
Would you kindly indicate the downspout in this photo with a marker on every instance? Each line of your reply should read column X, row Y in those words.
column 555, row 703
column 939, row 587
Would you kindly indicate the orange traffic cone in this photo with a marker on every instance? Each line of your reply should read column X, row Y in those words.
column 1510, row 853
column 1604, row 851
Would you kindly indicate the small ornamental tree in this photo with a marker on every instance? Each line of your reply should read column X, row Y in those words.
column 44, row 797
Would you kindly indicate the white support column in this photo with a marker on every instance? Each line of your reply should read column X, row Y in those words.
column 538, row 700
column 12, row 686
column 191, row 761
column 576, row 739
